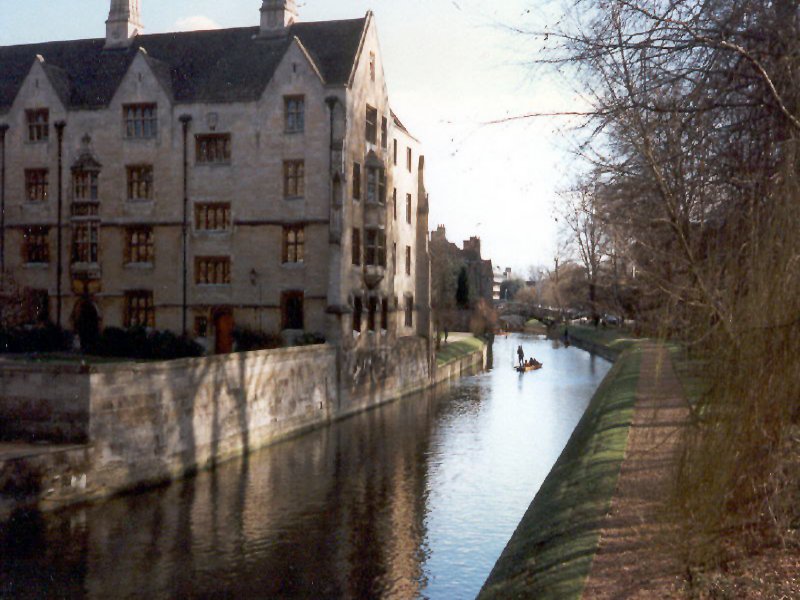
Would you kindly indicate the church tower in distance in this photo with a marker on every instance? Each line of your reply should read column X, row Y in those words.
column 123, row 23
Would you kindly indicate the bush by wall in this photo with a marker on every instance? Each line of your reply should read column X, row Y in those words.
column 43, row 338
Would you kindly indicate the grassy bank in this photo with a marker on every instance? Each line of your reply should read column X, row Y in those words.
column 551, row 552
column 535, row 326
column 457, row 348
column 618, row 340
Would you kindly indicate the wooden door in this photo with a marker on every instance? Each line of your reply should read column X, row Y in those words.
column 223, row 326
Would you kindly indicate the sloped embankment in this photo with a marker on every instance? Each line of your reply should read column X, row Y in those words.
column 551, row 551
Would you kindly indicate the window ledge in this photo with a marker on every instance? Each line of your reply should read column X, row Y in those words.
column 294, row 131
column 212, row 165
column 213, row 233
column 294, row 198
column 294, row 265
column 140, row 266
column 214, row 286
column 140, row 201
column 141, row 139
column 37, row 265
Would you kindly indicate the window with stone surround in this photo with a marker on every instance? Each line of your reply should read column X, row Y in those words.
column 375, row 248
column 394, row 154
column 385, row 314
column 408, row 208
column 408, row 260
column 139, row 309
column 85, row 235
column 408, row 159
column 213, row 148
column 212, row 270
column 36, row 185
column 139, row 248
column 85, row 186
column 292, row 316
column 294, row 244
column 295, row 113
column 394, row 258
column 38, row 306
column 140, row 121
column 36, row 245
column 356, row 181
column 409, row 310
column 372, row 310
column 356, row 246
column 140, row 182
column 372, row 125
column 293, row 178
column 384, row 133
column 212, row 216
column 38, row 121
column 394, row 203
column 376, row 185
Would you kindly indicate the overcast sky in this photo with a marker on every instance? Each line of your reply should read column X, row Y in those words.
column 452, row 66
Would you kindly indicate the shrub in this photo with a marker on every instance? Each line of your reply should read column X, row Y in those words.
column 309, row 339
column 46, row 338
column 138, row 343
column 249, row 339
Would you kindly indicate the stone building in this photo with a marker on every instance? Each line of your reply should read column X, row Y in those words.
column 447, row 261
column 200, row 181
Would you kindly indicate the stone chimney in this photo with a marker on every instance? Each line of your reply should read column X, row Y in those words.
column 277, row 16
column 123, row 23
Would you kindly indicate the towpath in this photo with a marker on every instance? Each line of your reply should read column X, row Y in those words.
column 631, row 561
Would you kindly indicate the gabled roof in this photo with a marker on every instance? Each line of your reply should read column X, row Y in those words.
column 225, row 65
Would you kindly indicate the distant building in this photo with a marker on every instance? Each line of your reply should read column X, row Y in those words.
column 447, row 261
column 500, row 276
column 206, row 180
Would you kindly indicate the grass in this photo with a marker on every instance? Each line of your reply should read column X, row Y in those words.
column 536, row 326
column 453, row 351
column 551, row 552
column 616, row 339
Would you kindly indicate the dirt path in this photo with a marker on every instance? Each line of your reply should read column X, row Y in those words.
column 630, row 561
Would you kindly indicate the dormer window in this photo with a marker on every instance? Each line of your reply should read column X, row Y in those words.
column 38, row 124
column 140, row 120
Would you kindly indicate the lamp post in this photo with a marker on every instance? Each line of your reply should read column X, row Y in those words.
column 185, row 121
column 59, row 125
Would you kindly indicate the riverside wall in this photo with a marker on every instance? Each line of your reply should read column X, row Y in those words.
column 138, row 424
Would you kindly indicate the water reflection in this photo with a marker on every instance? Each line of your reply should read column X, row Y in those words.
column 416, row 499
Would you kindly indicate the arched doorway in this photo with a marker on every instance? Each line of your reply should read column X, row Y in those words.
column 223, row 331
column 87, row 324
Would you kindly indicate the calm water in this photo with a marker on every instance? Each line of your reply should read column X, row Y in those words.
column 413, row 500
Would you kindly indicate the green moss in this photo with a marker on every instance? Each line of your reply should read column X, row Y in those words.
column 551, row 552
column 452, row 351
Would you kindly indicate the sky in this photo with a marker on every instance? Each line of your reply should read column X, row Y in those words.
column 453, row 67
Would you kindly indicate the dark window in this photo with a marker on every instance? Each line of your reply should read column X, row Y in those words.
column 38, row 302
column 409, row 311
column 384, row 132
column 356, row 181
column 293, row 178
column 372, row 125
column 408, row 159
column 139, row 309
column 376, row 185
column 394, row 257
column 140, row 182
column 293, row 244
column 394, row 203
column 372, row 312
column 36, row 185
column 375, row 248
column 84, row 185
column 141, row 120
column 85, row 241
column 394, row 153
column 292, row 310
column 212, row 270
column 385, row 314
column 295, row 109
column 36, row 245
column 357, row 310
column 38, row 124
column 213, row 148
column 139, row 245
column 356, row 246
column 214, row 216
column 408, row 208
column 408, row 260
column 201, row 326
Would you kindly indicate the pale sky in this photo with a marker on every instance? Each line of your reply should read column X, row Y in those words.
column 451, row 65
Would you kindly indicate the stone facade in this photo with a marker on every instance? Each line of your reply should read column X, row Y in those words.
column 243, row 162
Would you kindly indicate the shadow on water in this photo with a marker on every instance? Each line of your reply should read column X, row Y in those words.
column 415, row 499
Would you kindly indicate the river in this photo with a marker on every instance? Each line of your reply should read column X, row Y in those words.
column 416, row 499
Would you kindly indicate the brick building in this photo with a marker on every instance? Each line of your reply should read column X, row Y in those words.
column 200, row 181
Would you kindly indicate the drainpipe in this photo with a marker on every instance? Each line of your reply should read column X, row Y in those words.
column 60, row 125
column 3, row 129
column 185, row 121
